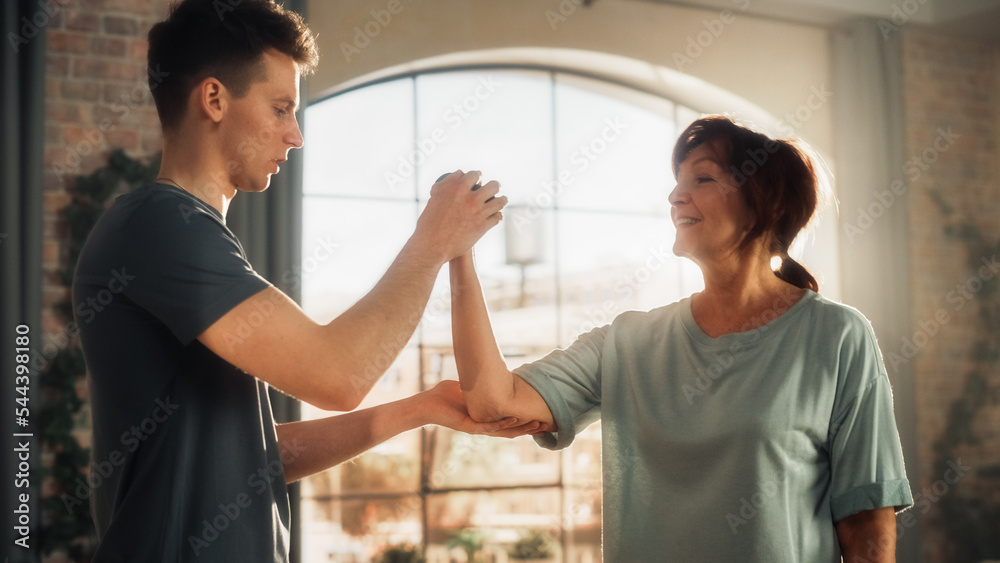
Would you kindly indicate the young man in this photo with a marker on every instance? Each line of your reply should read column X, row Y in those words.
column 182, row 337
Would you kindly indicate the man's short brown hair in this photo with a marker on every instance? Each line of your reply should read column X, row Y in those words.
column 224, row 39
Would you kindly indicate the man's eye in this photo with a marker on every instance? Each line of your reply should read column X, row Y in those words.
column 704, row 179
column 280, row 112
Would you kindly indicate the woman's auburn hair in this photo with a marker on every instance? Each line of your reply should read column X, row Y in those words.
column 777, row 179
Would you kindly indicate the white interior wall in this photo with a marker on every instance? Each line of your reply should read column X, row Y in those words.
column 774, row 65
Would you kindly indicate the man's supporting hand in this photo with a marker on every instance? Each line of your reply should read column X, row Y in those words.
column 445, row 406
column 317, row 445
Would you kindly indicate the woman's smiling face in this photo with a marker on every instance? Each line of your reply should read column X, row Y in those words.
column 707, row 208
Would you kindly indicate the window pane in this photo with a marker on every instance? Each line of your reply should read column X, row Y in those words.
column 460, row 460
column 357, row 530
column 496, row 121
column 497, row 517
column 612, row 154
column 581, row 524
column 522, row 310
column 347, row 245
column 613, row 263
column 361, row 143
column 394, row 465
column 685, row 116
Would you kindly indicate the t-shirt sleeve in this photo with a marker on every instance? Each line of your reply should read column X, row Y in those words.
column 866, row 456
column 187, row 269
column 569, row 382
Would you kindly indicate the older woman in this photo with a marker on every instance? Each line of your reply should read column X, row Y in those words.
column 751, row 421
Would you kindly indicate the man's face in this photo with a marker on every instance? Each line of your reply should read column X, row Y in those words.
column 260, row 128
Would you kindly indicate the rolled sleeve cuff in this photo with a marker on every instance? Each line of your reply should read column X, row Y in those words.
column 869, row 497
column 560, row 410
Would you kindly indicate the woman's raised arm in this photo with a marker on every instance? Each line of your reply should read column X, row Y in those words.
column 491, row 391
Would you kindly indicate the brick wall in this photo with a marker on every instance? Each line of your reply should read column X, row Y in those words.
column 96, row 100
column 951, row 88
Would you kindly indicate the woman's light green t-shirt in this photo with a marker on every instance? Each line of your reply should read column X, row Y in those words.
column 746, row 447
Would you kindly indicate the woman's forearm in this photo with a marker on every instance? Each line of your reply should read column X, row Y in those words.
column 868, row 536
column 486, row 382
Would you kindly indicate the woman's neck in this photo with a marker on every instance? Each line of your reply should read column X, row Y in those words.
column 741, row 294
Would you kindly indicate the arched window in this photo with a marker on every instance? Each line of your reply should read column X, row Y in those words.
column 587, row 235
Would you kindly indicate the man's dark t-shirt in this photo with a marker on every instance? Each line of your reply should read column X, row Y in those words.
column 184, row 441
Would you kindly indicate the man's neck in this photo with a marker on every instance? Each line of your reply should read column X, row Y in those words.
column 195, row 171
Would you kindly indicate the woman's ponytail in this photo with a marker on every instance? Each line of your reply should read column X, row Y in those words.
column 796, row 274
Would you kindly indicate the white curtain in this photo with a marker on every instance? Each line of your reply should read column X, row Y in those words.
column 874, row 250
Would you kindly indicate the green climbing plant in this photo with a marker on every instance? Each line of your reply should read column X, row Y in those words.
column 66, row 524
column 972, row 521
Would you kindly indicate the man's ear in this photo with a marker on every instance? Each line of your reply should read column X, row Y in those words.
column 211, row 99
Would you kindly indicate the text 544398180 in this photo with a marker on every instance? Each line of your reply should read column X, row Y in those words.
column 22, row 414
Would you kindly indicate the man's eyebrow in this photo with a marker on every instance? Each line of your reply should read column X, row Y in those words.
column 289, row 102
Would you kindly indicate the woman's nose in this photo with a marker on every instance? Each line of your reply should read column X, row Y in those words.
column 677, row 196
